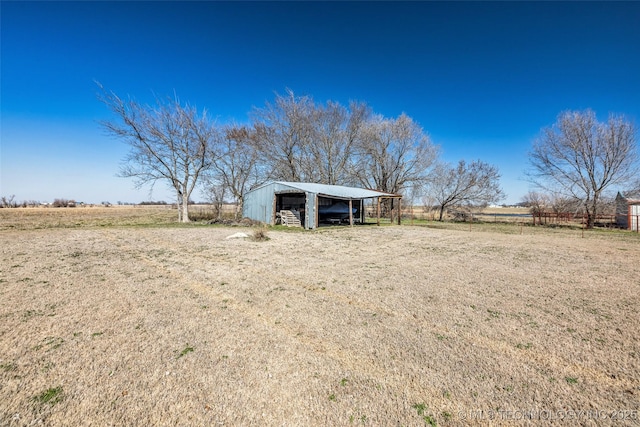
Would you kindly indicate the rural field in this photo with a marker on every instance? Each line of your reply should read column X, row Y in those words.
column 117, row 316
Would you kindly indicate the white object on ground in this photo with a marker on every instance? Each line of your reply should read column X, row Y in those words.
column 238, row 236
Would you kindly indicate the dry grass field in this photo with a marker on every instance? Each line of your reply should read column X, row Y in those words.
column 108, row 318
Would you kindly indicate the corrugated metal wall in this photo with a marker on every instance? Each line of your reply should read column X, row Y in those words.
column 258, row 204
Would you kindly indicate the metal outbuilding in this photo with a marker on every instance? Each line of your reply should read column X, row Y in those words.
column 310, row 203
column 628, row 211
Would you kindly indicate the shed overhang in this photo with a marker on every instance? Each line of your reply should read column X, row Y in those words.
column 336, row 191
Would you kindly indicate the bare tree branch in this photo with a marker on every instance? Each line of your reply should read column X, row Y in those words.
column 581, row 157
column 473, row 184
column 393, row 154
column 236, row 168
column 284, row 134
column 169, row 142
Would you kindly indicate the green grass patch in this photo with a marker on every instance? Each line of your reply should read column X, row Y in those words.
column 493, row 313
column 429, row 420
column 54, row 342
column 188, row 349
column 419, row 407
column 8, row 367
column 50, row 396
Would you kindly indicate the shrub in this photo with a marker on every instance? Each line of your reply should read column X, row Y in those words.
column 260, row 234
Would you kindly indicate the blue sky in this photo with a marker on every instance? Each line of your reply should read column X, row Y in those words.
column 482, row 78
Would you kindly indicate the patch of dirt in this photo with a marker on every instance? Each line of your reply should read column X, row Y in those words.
column 363, row 326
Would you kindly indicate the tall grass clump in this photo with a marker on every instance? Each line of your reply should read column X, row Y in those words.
column 260, row 235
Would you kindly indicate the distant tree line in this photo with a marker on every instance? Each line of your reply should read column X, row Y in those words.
column 292, row 138
column 63, row 203
column 540, row 202
column 10, row 202
column 153, row 203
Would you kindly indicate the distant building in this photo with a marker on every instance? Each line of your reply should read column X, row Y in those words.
column 308, row 204
column 628, row 211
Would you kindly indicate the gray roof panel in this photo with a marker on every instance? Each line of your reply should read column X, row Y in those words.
column 338, row 191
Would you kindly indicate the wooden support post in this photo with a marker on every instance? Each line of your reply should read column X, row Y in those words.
column 399, row 211
column 378, row 211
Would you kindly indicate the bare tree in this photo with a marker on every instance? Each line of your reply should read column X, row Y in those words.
column 170, row 142
column 393, row 154
column 473, row 184
column 429, row 207
column 581, row 157
column 299, row 140
column 8, row 201
column 539, row 203
column 284, row 134
column 63, row 203
column 331, row 144
column 335, row 132
column 561, row 204
column 236, row 167
column 215, row 193
column 536, row 201
column 634, row 188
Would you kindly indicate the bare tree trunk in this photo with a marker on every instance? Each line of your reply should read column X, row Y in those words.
column 178, row 205
column 185, row 207
column 592, row 212
column 239, row 208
